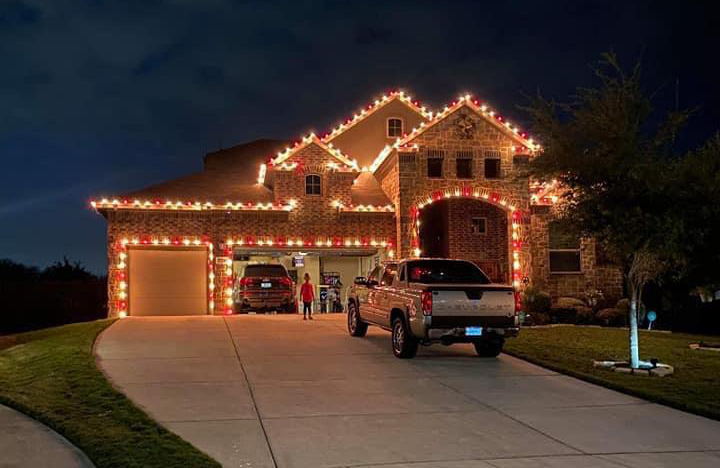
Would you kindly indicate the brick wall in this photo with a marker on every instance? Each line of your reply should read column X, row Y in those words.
column 404, row 179
column 314, row 217
column 403, row 176
column 607, row 279
column 488, row 250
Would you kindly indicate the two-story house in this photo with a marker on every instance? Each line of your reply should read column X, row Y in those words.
column 394, row 180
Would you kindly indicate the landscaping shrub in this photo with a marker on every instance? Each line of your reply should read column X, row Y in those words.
column 584, row 316
column 537, row 319
column 536, row 305
column 563, row 315
column 623, row 305
column 536, row 301
column 612, row 317
column 569, row 303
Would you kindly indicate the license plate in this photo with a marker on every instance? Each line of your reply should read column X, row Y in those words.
column 266, row 285
column 473, row 331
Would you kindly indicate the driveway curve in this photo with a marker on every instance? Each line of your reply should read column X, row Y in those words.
column 280, row 392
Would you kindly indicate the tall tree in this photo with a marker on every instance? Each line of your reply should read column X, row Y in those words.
column 610, row 152
column 695, row 180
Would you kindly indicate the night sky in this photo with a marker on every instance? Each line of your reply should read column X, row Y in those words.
column 100, row 97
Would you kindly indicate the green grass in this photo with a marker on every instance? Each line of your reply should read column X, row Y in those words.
column 51, row 376
column 694, row 387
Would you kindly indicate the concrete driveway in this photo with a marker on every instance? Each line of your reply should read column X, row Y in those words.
column 275, row 391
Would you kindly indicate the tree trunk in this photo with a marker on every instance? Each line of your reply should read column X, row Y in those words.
column 634, row 341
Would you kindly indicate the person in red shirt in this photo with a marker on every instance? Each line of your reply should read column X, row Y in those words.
column 307, row 294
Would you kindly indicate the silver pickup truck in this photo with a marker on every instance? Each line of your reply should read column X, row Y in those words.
column 424, row 301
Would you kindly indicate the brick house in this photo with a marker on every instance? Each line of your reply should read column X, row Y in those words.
column 395, row 180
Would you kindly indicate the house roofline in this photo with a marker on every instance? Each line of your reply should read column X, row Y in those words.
column 373, row 107
column 491, row 116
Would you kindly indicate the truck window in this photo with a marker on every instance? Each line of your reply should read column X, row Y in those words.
column 388, row 277
column 445, row 271
column 375, row 274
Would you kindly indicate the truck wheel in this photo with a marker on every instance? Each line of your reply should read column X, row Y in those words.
column 403, row 343
column 356, row 327
column 489, row 348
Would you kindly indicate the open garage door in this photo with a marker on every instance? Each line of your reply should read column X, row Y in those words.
column 167, row 282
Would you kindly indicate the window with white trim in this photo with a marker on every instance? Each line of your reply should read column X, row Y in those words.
column 313, row 184
column 394, row 127
column 564, row 249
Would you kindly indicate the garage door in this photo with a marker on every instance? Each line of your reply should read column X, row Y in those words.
column 167, row 282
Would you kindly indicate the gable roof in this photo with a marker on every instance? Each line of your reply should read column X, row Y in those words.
column 214, row 186
column 495, row 119
column 373, row 107
column 312, row 139
column 244, row 157
column 480, row 109
column 366, row 191
column 227, row 181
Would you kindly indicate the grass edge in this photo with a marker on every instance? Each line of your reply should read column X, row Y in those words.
column 613, row 386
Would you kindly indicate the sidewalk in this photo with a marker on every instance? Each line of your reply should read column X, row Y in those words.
column 26, row 443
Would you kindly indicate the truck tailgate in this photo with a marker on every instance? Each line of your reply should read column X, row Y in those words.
column 473, row 300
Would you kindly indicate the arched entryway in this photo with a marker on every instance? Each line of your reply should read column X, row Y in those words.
column 469, row 229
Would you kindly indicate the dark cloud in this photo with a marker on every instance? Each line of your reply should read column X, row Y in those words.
column 17, row 13
column 143, row 88
column 156, row 60
column 372, row 35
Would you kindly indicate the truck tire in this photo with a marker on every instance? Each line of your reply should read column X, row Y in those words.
column 356, row 327
column 404, row 345
column 490, row 347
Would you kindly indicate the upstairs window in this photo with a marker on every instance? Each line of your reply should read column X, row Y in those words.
column 492, row 168
column 564, row 249
column 435, row 164
column 463, row 164
column 394, row 127
column 313, row 184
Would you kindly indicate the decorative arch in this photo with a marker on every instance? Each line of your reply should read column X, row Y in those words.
column 507, row 204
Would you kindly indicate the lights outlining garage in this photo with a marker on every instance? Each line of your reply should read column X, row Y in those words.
column 120, row 276
column 320, row 241
column 477, row 194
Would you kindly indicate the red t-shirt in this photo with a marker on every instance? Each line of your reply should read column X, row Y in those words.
column 307, row 292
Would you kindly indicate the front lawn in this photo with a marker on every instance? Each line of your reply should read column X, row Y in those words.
column 694, row 387
column 51, row 375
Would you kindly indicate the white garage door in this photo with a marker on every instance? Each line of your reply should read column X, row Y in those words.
column 167, row 282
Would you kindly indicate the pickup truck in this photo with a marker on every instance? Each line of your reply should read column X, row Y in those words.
column 427, row 300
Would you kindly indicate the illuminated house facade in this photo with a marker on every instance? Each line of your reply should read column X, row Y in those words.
column 393, row 181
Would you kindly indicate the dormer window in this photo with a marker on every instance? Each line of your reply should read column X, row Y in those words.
column 313, row 184
column 394, row 127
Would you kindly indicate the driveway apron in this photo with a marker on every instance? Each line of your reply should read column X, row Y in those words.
column 280, row 392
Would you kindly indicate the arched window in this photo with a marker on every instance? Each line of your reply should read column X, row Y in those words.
column 313, row 184
column 394, row 127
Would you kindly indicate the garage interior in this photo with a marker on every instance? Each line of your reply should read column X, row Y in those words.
column 331, row 270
